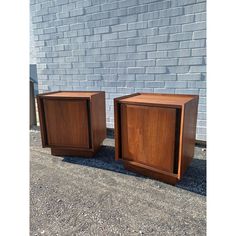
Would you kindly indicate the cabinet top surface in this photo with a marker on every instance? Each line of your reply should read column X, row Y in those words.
column 152, row 98
column 86, row 94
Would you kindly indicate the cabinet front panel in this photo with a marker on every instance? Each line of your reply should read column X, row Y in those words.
column 67, row 122
column 148, row 135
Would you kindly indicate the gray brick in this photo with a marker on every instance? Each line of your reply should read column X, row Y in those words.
column 121, row 27
column 187, row 91
column 110, row 36
column 109, row 50
column 126, row 77
column 101, row 30
column 137, row 25
column 194, row 26
column 178, row 69
column 137, row 9
column 144, row 90
column 128, row 3
column 159, row 22
column 199, row 43
column 117, row 57
column 181, row 36
column 195, row 8
column 126, row 49
column 109, row 6
column 59, row 47
column 138, row 55
column 176, row 84
column 110, row 64
column 156, row 70
column 126, row 64
column 145, row 63
column 93, row 64
column 157, row 39
column 145, row 77
column 147, row 32
column 200, row 69
column 63, row 15
column 117, row 43
column 182, row 19
column 77, row 12
column 164, row 90
column 171, row 12
column 189, row 76
column 118, row 71
column 200, row 16
column 77, row 26
column 99, row 16
column 63, row 28
column 92, row 9
column 118, row 12
column 128, row 34
column 197, row 84
column 125, row 90
column 109, row 22
column 154, row 84
column 170, row 29
column 37, row 19
column 136, row 84
column 159, row 54
column 93, row 77
column 167, row 62
column 191, row 61
column 199, row 34
column 165, row 77
column 136, row 70
column 158, row 5
column 179, row 53
column 137, row 41
column 148, row 16
column 62, row 2
column 182, row 2
column 146, row 47
column 167, row 46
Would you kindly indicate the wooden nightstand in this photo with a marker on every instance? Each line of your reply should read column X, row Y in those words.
column 155, row 134
column 72, row 123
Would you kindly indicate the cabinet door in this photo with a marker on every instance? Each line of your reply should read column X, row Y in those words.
column 148, row 135
column 67, row 122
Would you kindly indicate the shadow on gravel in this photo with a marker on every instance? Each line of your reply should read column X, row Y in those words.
column 194, row 179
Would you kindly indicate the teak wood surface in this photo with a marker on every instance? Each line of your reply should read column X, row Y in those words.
column 72, row 122
column 155, row 133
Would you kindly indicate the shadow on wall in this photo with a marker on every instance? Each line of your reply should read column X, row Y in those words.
column 194, row 179
column 34, row 77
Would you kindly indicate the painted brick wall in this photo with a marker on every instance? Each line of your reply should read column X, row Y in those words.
column 122, row 47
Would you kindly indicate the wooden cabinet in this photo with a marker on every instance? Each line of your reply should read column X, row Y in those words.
column 72, row 123
column 155, row 134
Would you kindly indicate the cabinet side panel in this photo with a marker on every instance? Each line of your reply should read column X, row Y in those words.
column 98, row 119
column 189, row 133
column 41, row 113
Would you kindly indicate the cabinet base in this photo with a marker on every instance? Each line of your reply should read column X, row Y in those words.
column 73, row 152
column 168, row 178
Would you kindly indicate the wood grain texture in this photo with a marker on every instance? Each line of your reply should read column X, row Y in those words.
column 72, row 122
column 148, row 135
column 155, row 133
column 117, row 125
column 67, row 123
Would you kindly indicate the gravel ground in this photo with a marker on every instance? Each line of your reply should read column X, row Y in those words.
column 81, row 196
